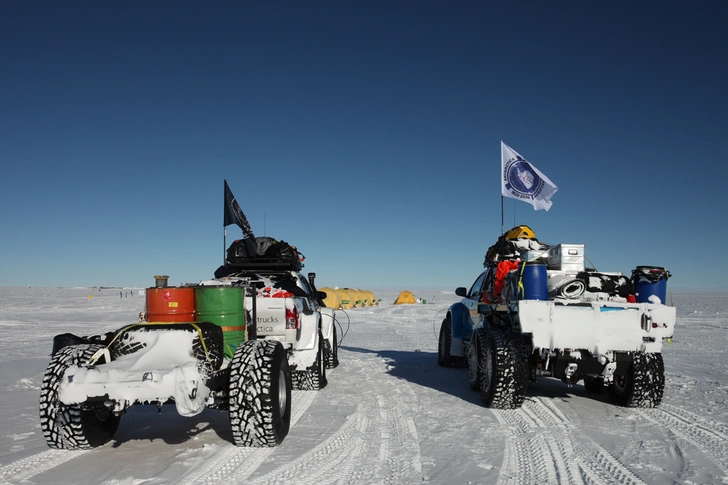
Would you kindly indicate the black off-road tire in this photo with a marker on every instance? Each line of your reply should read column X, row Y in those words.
column 594, row 385
column 332, row 351
column 473, row 354
column 314, row 378
column 643, row 385
column 444, row 346
column 503, row 370
column 71, row 427
column 260, row 394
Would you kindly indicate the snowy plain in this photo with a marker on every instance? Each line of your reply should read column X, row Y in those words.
column 389, row 415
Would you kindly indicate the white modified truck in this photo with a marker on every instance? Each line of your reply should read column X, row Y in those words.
column 183, row 353
column 584, row 326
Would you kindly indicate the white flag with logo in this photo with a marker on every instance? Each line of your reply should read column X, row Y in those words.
column 521, row 180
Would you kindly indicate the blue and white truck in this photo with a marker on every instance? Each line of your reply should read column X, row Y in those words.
column 536, row 310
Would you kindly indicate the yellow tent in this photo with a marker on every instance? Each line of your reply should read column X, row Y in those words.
column 368, row 298
column 354, row 297
column 405, row 297
column 344, row 298
column 361, row 296
column 332, row 299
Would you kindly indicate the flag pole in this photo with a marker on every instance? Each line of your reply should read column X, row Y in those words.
column 224, row 242
column 502, row 228
column 503, row 231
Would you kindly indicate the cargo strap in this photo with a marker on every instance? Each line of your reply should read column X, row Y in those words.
column 105, row 351
column 520, row 281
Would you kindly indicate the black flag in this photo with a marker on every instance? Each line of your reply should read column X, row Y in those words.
column 234, row 215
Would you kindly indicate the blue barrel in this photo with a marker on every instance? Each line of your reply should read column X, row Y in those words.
column 535, row 282
column 650, row 281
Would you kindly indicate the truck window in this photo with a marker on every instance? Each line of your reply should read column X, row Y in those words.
column 477, row 289
column 306, row 287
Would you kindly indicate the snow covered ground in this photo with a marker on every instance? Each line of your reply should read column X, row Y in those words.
column 388, row 415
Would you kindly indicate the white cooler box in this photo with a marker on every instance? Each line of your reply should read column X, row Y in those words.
column 567, row 257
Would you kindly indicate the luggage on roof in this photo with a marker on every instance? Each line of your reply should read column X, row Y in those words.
column 512, row 244
column 270, row 253
column 520, row 232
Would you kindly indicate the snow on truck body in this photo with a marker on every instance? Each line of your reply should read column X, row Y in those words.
column 163, row 369
column 598, row 327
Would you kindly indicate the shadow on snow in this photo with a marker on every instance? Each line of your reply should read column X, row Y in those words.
column 421, row 368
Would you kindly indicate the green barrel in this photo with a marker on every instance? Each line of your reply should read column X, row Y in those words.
column 223, row 306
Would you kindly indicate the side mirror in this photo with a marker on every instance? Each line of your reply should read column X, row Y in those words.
column 461, row 291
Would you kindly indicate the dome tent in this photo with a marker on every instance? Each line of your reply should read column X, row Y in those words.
column 353, row 297
column 405, row 297
column 332, row 299
column 344, row 298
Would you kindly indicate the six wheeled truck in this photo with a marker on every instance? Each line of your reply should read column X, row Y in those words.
column 584, row 326
column 237, row 343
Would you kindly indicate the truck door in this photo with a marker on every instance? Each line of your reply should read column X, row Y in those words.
column 474, row 299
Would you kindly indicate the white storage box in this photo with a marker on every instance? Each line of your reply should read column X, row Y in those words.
column 567, row 257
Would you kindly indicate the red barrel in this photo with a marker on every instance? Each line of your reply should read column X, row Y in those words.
column 170, row 304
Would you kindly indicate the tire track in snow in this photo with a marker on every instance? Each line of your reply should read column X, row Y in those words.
column 526, row 458
column 332, row 461
column 22, row 470
column 708, row 437
column 217, row 468
column 377, row 444
column 400, row 441
column 543, row 447
column 587, row 452
column 234, row 464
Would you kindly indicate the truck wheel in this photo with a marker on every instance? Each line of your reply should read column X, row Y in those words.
column 318, row 375
column 313, row 378
column 474, row 352
column 594, row 385
column 332, row 351
column 444, row 359
column 71, row 427
column 642, row 385
column 260, row 394
column 503, row 370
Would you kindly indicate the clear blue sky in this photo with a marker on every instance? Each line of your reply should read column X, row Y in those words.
column 367, row 134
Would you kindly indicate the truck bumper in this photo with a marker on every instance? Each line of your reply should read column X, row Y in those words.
column 598, row 327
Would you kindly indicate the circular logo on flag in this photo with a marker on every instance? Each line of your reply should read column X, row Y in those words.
column 522, row 179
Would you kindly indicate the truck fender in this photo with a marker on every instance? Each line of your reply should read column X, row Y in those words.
column 327, row 322
column 462, row 328
column 461, row 323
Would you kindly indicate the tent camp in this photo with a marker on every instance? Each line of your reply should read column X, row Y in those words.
column 405, row 297
column 345, row 298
